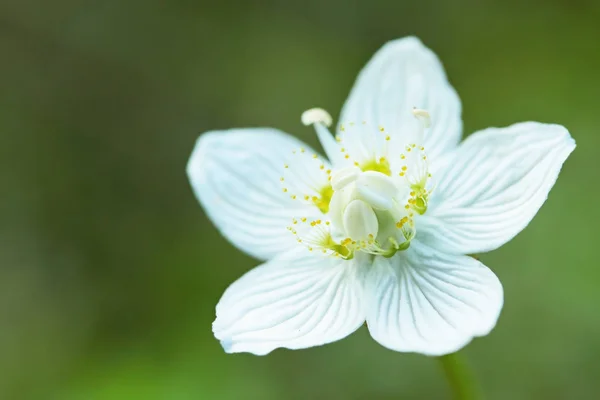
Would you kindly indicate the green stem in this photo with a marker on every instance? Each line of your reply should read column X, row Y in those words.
column 460, row 377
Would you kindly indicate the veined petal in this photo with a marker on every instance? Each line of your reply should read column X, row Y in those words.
column 402, row 75
column 494, row 185
column 295, row 301
column 429, row 302
column 238, row 177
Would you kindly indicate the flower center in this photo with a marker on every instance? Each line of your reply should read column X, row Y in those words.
column 369, row 200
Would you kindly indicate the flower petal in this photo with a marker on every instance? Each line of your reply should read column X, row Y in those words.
column 237, row 177
column 298, row 300
column 494, row 185
column 429, row 302
column 402, row 75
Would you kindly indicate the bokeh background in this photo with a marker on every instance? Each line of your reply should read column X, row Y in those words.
column 110, row 271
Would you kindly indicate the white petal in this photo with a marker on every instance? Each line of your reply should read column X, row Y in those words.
column 295, row 301
column 236, row 176
column 360, row 220
column 404, row 74
column 377, row 189
column 428, row 302
column 494, row 185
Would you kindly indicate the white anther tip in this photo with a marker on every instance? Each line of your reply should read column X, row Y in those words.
column 316, row 116
column 423, row 116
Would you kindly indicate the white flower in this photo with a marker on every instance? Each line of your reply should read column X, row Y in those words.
column 380, row 231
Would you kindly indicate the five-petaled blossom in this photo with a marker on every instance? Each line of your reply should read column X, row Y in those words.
column 380, row 231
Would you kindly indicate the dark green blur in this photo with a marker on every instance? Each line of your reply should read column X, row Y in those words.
column 110, row 271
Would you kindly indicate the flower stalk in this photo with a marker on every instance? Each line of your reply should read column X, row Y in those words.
column 460, row 377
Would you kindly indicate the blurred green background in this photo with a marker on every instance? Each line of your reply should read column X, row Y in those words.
column 109, row 269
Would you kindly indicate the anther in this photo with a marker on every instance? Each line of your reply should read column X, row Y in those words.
column 423, row 116
column 316, row 116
